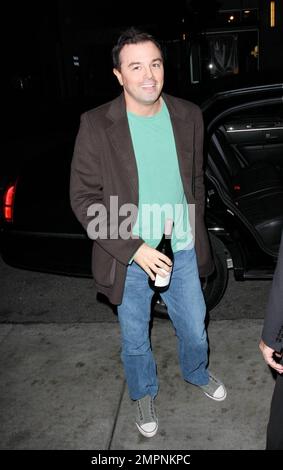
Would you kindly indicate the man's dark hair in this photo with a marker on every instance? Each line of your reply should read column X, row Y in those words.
column 131, row 36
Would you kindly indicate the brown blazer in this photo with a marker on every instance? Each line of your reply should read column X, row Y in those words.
column 104, row 165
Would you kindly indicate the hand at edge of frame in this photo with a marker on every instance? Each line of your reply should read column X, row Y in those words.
column 268, row 354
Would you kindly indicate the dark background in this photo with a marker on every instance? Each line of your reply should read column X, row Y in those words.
column 57, row 54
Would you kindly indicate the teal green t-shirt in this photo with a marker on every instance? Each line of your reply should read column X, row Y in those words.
column 161, row 193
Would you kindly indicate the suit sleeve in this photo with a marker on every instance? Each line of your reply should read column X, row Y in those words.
column 272, row 333
column 86, row 191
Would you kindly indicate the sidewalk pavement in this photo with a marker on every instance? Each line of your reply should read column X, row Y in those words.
column 63, row 388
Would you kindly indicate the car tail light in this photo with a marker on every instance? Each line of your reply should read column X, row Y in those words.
column 9, row 198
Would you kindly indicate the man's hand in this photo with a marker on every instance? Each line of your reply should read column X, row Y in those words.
column 267, row 353
column 152, row 261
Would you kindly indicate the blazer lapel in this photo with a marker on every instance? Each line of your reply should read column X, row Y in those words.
column 120, row 137
column 184, row 141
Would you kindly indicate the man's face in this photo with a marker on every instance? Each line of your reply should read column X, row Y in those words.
column 141, row 74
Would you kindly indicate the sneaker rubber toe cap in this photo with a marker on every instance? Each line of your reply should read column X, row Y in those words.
column 219, row 394
column 148, row 429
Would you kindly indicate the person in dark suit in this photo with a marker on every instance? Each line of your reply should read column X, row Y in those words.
column 271, row 346
column 138, row 160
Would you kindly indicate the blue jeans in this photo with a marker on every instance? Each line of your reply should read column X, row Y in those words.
column 186, row 308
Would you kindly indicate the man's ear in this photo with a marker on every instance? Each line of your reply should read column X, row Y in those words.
column 119, row 76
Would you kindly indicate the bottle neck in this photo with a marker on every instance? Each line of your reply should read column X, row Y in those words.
column 168, row 228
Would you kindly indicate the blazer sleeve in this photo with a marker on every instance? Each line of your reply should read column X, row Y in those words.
column 86, row 190
column 272, row 333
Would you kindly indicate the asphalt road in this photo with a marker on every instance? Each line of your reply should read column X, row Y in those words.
column 32, row 297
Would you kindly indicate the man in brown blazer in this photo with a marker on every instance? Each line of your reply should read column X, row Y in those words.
column 137, row 161
column 271, row 346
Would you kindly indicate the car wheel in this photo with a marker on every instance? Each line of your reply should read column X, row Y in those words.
column 213, row 287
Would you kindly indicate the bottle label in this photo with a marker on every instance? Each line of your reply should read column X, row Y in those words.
column 168, row 227
column 162, row 281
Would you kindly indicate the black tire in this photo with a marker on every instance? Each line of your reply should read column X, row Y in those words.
column 213, row 287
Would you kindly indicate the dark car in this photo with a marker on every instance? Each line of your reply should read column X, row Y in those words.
column 244, row 180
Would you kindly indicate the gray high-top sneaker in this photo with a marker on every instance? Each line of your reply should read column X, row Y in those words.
column 146, row 419
column 215, row 389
